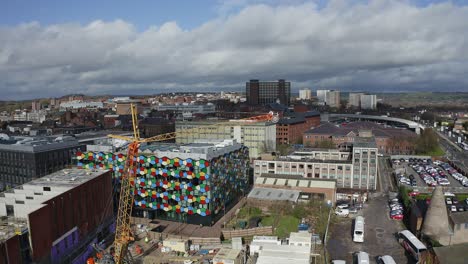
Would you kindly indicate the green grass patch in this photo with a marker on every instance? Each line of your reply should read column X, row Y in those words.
column 249, row 212
column 438, row 151
column 268, row 220
column 286, row 225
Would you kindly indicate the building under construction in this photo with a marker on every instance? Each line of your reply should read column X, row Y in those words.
column 57, row 218
column 192, row 183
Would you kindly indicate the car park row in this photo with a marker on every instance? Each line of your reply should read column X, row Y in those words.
column 432, row 173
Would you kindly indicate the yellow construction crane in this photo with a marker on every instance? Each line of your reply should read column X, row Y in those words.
column 123, row 234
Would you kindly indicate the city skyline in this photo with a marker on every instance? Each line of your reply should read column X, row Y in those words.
column 53, row 49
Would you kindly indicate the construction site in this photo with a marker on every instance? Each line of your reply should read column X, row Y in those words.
column 149, row 202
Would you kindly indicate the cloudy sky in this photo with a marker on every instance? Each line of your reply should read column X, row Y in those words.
column 54, row 47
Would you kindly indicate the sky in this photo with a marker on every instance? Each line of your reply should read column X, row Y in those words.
column 54, row 47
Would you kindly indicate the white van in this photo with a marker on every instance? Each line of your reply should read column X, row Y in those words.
column 385, row 260
column 338, row 261
column 361, row 258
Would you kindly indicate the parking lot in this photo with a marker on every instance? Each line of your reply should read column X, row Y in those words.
column 407, row 168
column 379, row 235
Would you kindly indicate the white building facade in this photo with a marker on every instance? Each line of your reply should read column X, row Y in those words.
column 354, row 170
column 305, row 94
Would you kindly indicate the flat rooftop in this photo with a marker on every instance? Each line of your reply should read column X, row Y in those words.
column 10, row 226
column 274, row 194
column 292, row 180
column 227, row 254
column 200, row 149
column 37, row 144
column 31, row 196
column 300, row 237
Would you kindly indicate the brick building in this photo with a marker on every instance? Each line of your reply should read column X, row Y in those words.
column 64, row 213
column 289, row 129
column 388, row 140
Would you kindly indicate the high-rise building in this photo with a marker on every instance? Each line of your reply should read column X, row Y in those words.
column 355, row 100
column 36, row 106
column 333, row 99
column 259, row 137
column 305, row 94
column 263, row 93
column 53, row 102
column 192, row 183
column 368, row 101
column 362, row 100
column 25, row 158
column 56, row 218
column 322, row 95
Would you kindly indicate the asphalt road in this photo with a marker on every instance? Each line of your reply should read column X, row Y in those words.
column 380, row 230
column 379, row 235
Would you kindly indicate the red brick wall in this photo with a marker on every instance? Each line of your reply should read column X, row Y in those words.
column 10, row 251
column 85, row 206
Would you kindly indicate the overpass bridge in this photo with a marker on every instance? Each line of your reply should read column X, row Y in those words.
column 408, row 123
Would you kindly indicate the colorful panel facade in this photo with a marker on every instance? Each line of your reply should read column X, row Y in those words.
column 176, row 188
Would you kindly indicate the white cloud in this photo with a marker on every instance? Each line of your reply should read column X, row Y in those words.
column 361, row 46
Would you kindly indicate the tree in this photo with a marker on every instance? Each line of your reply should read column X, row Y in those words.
column 427, row 142
column 326, row 144
column 283, row 149
column 428, row 116
column 465, row 125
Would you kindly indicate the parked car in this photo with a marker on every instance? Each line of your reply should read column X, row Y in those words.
column 454, row 200
column 385, row 260
column 414, row 193
column 449, row 194
column 342, row 212
column 453, row 208
column 343, row 206
column 448, row 200
column 461, row 208
column 397, row 217
column 353, row 210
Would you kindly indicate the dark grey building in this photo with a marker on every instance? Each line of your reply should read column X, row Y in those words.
column 25, row 158
column 263, row 93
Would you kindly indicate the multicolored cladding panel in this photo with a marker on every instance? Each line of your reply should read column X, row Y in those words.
column 179, row 186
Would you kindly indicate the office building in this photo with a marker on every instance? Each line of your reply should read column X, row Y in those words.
column 289, row 129
column 193, row 183
column 259, row 137
column 305, row 94
column 191, row 108
column 25, row 158
column 369, row 101
column 56, row 219
column 333, row 99
column 264, row 93
column 353, row 170
column 322, row 95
